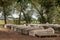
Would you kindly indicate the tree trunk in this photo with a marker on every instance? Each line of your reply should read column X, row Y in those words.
column 25, row 17
column 20, row 18
column 4, row 15
column 20, row 14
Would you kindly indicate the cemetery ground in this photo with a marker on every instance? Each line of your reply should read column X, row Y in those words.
column 7, row 34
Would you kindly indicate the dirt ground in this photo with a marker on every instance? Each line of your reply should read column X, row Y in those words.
column 6, row 34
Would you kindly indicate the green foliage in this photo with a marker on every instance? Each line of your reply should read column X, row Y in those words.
column 5, row 5
column 42, row 19
column 57, row 2
column 49, row 6
column 47, row 3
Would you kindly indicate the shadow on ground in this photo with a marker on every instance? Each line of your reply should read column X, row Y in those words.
column 7, row 34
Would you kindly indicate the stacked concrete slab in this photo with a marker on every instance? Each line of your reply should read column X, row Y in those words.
column 39, row 32
column 32, row 30
column 28, row 29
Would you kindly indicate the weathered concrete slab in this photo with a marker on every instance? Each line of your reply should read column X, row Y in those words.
column 8, row 26
column 28, row 29
column 42, row 32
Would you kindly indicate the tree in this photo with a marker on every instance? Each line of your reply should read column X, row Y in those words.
column 5, row 4
column 48, row 5
column 36, row 4
column 23, row 5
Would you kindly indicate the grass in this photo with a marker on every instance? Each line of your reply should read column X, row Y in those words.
column 1, row 21
column 12, row 22
column 8, row 21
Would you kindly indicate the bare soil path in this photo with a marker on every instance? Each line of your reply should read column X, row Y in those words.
column 6, row 34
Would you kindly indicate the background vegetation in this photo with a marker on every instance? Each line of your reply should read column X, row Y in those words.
column 30, row 11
